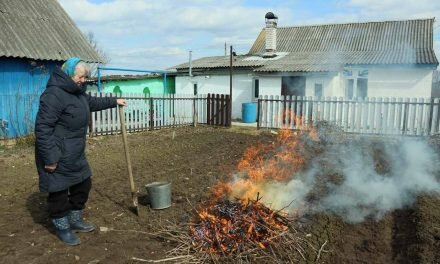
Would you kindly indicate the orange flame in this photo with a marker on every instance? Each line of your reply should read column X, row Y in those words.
column 261, row 164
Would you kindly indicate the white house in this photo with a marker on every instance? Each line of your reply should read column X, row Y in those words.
column 371, row 59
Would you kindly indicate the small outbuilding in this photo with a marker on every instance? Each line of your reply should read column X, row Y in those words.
column 35, row 36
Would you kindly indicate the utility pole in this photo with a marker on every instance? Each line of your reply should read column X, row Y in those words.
column 226, row 50
column 230, row 84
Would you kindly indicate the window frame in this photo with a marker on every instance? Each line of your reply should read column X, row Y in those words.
column 255, row 88
column 317, row 84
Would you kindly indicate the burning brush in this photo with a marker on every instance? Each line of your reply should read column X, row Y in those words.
column 236, row 226
column 238, row 232
column 243, row 229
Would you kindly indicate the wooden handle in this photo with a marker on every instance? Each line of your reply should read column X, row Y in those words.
column 127, row 153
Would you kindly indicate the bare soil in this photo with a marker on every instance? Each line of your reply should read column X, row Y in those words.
column 193, row 160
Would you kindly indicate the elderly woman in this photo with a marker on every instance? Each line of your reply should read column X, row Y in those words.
column 60, row 130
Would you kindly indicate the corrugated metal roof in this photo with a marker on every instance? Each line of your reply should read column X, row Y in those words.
column 330, row 47
column 41, row 30
column 369, row 36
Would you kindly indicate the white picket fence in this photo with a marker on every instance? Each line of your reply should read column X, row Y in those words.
column 391, row 116
column 148, row 113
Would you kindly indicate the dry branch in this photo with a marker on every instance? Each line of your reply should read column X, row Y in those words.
column 320, row 250
column 238, row 232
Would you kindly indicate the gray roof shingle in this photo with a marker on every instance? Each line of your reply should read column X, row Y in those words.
column 330, row 47
column 41, row 30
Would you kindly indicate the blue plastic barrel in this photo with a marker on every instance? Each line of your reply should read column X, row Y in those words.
column 249, row 112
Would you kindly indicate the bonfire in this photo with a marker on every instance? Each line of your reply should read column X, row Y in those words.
column 238, row 225
column 229, row 227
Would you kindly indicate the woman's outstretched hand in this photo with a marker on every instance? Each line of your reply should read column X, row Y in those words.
column 121, row 102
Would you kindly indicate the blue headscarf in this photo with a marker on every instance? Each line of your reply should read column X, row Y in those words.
column 69, row 66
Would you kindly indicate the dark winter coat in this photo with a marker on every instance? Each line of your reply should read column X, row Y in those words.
column 60, row 130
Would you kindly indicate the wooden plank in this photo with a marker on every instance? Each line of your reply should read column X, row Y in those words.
column 303, row 112
column 98, row 127
column 333, row 105
column 340, row 109
column 271, row 109
column 385, row 114
column 112, row 117
column 359, row 105
column 213, row 109
column 217, row 109
column 208, row 109
column 427, row 117
column 435, row 116
column 298, row 113
column 327, row 108
column 136, row 114
column 352, row 115
column 286, row 111
column 392, row 116
column 346, row 111
column 419, row 120
column 278, row 112
column 322, row 108
column 399, row 115
column 372, row 114
column 309, row 111
column 412, row 117
column 151, row 104
column 222, row 109
column 365, row 113
column 405, row 118
column 161, row 112
column 202, row 108
column 229, row 110
column 266, row 111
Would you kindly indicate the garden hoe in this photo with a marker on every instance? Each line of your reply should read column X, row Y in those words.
column 127, row 158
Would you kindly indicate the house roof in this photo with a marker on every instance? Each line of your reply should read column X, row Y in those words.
column 330, row 47
column 41, row 30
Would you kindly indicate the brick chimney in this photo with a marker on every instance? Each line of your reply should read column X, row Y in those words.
column 271, row 35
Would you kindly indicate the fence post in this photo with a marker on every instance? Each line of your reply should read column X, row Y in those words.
column 228, row 102
column 194, row 112
column 217, row 109
column 405, row 115
column 431, row 110
column 222, row 110
column 90, row 121
column 208, row 109
column 151, row 114
column 435, row 117
column 258, row 113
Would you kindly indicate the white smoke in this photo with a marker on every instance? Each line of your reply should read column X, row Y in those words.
column 409, row 168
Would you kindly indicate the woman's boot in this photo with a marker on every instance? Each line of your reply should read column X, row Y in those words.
column 77, row 224
column 63, row 231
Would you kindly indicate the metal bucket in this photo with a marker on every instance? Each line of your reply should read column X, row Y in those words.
column 159, row 194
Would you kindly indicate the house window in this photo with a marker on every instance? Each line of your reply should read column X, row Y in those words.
column 318, row 89
column 356, row 84
column 362, row 88
column 349, row 88
column 195, row 88
column 293, row 85
column 256, row 88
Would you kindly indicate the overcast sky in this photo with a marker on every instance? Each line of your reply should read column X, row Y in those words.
column 147, row 34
